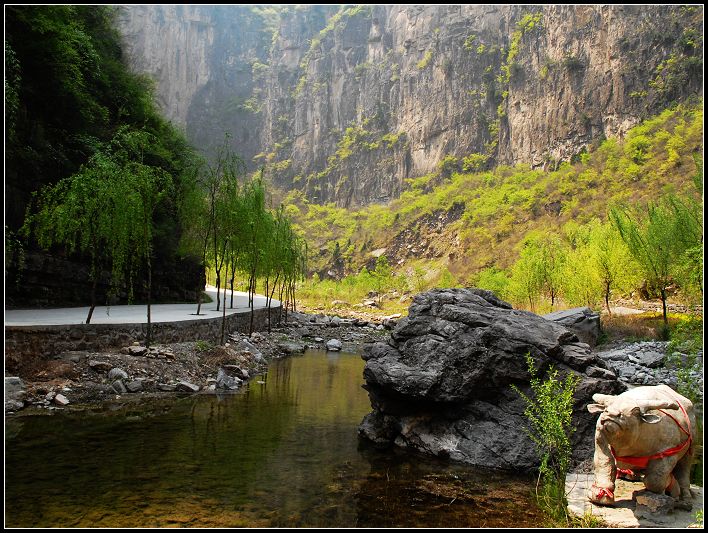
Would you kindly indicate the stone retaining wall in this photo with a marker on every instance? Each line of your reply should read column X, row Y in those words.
column 24, row 345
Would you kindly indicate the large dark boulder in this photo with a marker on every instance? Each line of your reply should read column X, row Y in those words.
column 442, row 383
column 582, row 320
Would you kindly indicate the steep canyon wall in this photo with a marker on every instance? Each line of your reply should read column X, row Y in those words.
column 345, row 103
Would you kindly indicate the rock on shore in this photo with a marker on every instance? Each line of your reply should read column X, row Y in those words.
column 442, row 383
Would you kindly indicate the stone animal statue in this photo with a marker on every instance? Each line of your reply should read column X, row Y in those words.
column 647, row 433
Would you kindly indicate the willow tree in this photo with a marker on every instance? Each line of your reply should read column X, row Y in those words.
column 194, row 211
column 539, row 269
column 658, row 237
column 258, row 231
column 106, row 210
column 140, row 188
column 599, row 264
column 613, row 261
column 223, row 195
column 78, row 213
column 283, row 261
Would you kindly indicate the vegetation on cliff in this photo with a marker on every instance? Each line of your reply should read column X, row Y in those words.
column 531, row 235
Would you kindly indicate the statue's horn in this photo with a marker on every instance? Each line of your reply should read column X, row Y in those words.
column 603, row 399
column 651, row 405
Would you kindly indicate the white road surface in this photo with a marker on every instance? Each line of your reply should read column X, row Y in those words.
column 132, row 314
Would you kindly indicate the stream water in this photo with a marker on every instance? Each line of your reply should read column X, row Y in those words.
column 283, row 453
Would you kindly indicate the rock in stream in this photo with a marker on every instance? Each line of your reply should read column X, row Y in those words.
column 442, row 383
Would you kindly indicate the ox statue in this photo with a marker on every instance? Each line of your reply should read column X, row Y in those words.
column 647, row 433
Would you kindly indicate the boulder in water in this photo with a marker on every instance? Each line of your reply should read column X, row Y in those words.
column 442, row 383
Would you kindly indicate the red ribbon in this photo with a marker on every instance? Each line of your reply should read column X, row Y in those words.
column 605, row 492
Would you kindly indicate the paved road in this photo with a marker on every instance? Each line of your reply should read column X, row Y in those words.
column 131, row 314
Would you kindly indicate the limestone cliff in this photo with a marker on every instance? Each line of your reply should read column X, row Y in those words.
column 345, row 103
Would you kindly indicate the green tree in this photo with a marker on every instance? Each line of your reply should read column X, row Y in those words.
column 688, row 211
column 581, row 278
column 79, row 213
column 107, row 210
column 658, row 237
column 141, row 188
column 224, row 208
column 495, row 280
column 382, row 275
column 599, row 264
column 614, row 264
column 538, row 270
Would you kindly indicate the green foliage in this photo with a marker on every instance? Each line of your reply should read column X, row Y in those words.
column 660, row 237
column 493, row 279
column 504, row 206
column 382, row 274
column 572, row 63
column 699, row 518
column 425, row 61
column 527, row 23
column 600, row 266
column 447, row 280
column 203, row 346
column 549, row 413
column 686, row 342
column 99, row 128
column 244, row 236
column 474, row 162
column 12, row 88
column 636, row 148
column 539, row 270
column 675, row 72
column 14, row 255
column 448, row 165
column 469, row 42
column 335, row 21
column 107, row 209
column 392, row 139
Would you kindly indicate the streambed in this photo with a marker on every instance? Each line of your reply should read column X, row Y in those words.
column 282, row 452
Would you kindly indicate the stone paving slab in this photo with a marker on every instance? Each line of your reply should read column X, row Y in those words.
column 623, row 515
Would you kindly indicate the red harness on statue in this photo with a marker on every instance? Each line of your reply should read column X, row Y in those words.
column 643, row 460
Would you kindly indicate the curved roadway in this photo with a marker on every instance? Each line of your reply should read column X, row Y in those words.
column 132, row 314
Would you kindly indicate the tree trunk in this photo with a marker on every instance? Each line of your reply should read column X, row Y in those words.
column 270, row 299
column 93, row 299
column 280, row 297
column 223, row 315
column 233, row 274
column 252, row 302
column 148, row 337
column 663, row 304
column 218, row 288
column 607, row 298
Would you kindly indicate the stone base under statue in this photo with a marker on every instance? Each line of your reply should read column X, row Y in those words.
column 626, row 512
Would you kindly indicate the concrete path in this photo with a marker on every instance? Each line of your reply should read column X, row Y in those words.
column 132, row 314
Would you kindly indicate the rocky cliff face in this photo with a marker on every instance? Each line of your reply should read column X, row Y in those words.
column 346, row 103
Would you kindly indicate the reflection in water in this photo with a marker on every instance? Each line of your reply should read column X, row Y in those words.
column 280, row 454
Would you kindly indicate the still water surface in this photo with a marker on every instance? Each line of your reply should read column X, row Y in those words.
column 283, row 453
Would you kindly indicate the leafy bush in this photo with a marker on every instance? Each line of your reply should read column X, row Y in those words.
column 549, row 413
column 203, row 346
